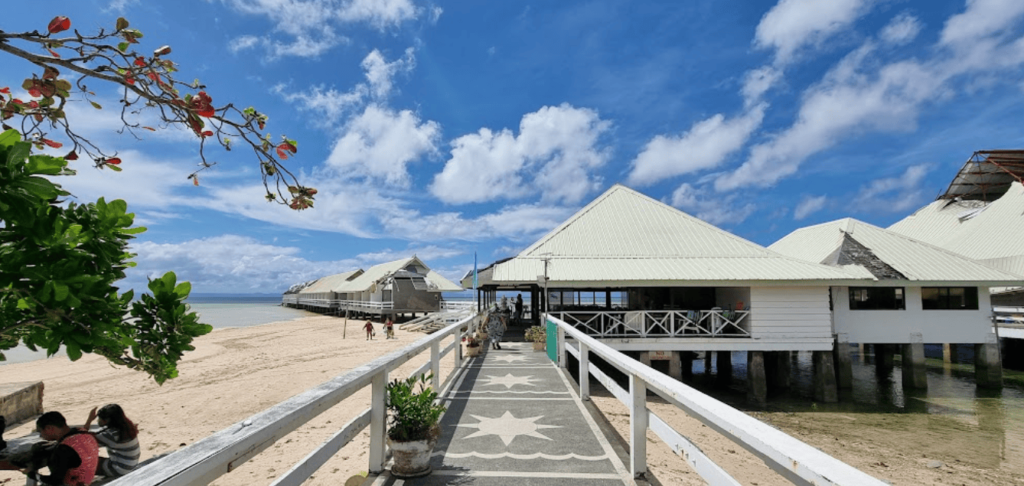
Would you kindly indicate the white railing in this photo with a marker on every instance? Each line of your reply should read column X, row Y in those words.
column 290, row 299
column 458, row 305
column 365, row 305
column 674, row 323
column 796, row 461
column 220, row 453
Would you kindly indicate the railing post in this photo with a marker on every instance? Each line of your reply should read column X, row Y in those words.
column 561, row 347
column 435, row 364
column 638, row 427
column 457, row 352
column 378, row 420
column 584, row 372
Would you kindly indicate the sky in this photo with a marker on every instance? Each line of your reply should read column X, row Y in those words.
column 453, row 129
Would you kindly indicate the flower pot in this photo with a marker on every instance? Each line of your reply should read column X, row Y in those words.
column 540, row 346
column 412, row 459
column 473, row 351
column 481, row 336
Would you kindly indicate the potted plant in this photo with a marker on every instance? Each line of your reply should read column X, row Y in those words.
column 539, row 336
column 412, row 425
column 473, row 347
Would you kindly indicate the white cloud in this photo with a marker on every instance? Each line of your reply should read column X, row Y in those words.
column 894, row 194
column 757, row 82
column 242, row 43
column 716, row 210
column 808, row 206
column 144, row 182
column 379, row 72
column 120, row 5
column 981, row 19
column 554, row 154
column 901, row 29
column 518, row 222
column 794, row 24
column 379, row 143
column 704, row 146
column 309, row 25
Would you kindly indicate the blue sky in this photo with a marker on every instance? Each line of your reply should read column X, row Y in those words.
column 448, row 128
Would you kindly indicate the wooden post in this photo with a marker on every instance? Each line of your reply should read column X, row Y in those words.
column 378, row 421
column 723, row 361
column 675, row 365
column 783, row 369
column 435, row 364
column 757, row 386
column 825, row 389
column 947, row 355
column 707, row 363
column 584, row 372
column 344, row 330
column 638, row 427
column 913, row 363
column 843, row 363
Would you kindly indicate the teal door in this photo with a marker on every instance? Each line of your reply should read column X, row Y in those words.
column 552, row 341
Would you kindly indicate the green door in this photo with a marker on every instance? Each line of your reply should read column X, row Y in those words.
column 552, row 341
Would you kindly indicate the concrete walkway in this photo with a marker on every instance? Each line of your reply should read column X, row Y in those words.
column 513, row 419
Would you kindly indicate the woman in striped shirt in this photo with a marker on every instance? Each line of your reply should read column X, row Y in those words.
column 121, row 438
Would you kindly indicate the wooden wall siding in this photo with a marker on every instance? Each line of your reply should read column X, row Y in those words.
column 405, row 296
column 790, row 312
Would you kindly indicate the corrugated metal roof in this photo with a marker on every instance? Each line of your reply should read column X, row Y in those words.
column 916, row 260
column 625, row 236
column 330, row 283
column 380, row 272
column 443, row 284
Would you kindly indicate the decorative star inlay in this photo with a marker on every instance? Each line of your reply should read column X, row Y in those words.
column 509, row 381
column 508, row 427
column 510, row 358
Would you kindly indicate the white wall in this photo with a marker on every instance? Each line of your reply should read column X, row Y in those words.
column 895, row 326
column 790, row 313
column 727, row 297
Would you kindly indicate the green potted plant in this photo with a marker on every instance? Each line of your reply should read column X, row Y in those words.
column 473, row 347
column 539, row 336
column 412, row 425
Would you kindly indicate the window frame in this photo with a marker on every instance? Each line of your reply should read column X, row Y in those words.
column 899, row 297
column 970, row 299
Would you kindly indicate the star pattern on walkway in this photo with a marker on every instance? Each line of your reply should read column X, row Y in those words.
column 509, row 381
column 510, row 358
column 507, row 427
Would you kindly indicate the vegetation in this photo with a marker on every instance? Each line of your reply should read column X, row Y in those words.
column 413, row 415
column 60, row 261
column 537, row 334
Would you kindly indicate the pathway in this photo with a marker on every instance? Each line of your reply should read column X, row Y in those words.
column 514, row 419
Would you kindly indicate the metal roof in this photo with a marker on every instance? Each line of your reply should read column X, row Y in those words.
column 626, row 237
column 916, row 260
column 992, row 233
column 987, row 175
column 380, row 273
column 331, row 283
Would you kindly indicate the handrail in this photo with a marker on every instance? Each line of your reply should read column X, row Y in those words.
column 653, row 323
column 795, row 460
column 210, row 458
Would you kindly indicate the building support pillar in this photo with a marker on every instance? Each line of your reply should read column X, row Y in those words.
column 947, row 353
column 843, row 361
column 686, row 365
column 783, row 369
column 825, row 389
column 645, row 358
column 913, row 363
column 675, row 365
column 707, row 363
column 988, row 367
column 757, row 386
column 883, row 358
column 723, row 361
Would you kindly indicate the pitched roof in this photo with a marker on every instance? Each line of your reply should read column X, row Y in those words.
column 331, row 283
column 832, row 243
column 625, row 236
column 380, row 273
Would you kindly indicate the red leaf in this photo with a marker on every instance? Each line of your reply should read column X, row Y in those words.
column 34, row 92
column 140, row 61
column 208, row 112
column 162, row 51
column 71, row 156
column 5, row 90
column 113, row 161
column 54, row 53
column 59, row 23
column 195, row 180
column 33, row 104
column 283, row 149
column 129, row 79
column 150, row 129
column 52, row 143
column 208, row 133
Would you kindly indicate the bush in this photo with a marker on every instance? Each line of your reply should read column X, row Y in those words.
column 413, row 415
column 537, row 334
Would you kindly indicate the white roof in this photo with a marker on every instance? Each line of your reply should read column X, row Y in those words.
column 994, row 234
column 626, row 237
column 916, row 260
column 379, row 273
column 330, row 283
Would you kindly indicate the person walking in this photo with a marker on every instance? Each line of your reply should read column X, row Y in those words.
column 519, row 308
column 496, row 326
column 369, row 330
column 389, row 329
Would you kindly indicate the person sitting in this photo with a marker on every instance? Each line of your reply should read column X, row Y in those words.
column 120, row 436
column 72, row 459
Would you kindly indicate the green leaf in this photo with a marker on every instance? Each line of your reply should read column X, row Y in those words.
column 18, row 153
column 60, row 291
column 122, row 24
column 38, row 186
column 133, row 231
column 74, row 351
column 95, row 105
column 122, row 46
column 113, row 168
column 9, row 137
column 183, row 289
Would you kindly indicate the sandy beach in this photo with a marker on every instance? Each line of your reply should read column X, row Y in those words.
column 237, row 372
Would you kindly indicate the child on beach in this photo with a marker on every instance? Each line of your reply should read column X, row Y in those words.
column 120, row 436
column 389, row 328
column 369, row 330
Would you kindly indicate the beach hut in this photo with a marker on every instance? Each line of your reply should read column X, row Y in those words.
column 912, row 293
column 325, row 292
column 645, row 277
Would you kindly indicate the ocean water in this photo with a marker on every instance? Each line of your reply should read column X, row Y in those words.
column 219, row 311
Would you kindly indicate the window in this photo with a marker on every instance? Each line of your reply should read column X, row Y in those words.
column 877, row 298
column 935, row 298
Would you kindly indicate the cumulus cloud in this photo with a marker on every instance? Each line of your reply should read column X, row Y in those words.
column 893, row 194
column 380, row 142
column 309, row 26
column 901, row 29
column 792, row 25
column 808, row 206
column 704, row 146
column 716, row 209
column 554, row 154
column 518, row 222
column 980, row 20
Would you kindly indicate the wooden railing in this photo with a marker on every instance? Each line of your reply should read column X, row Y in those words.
column 673, row 323
column 212, row 457
column 796, row 461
